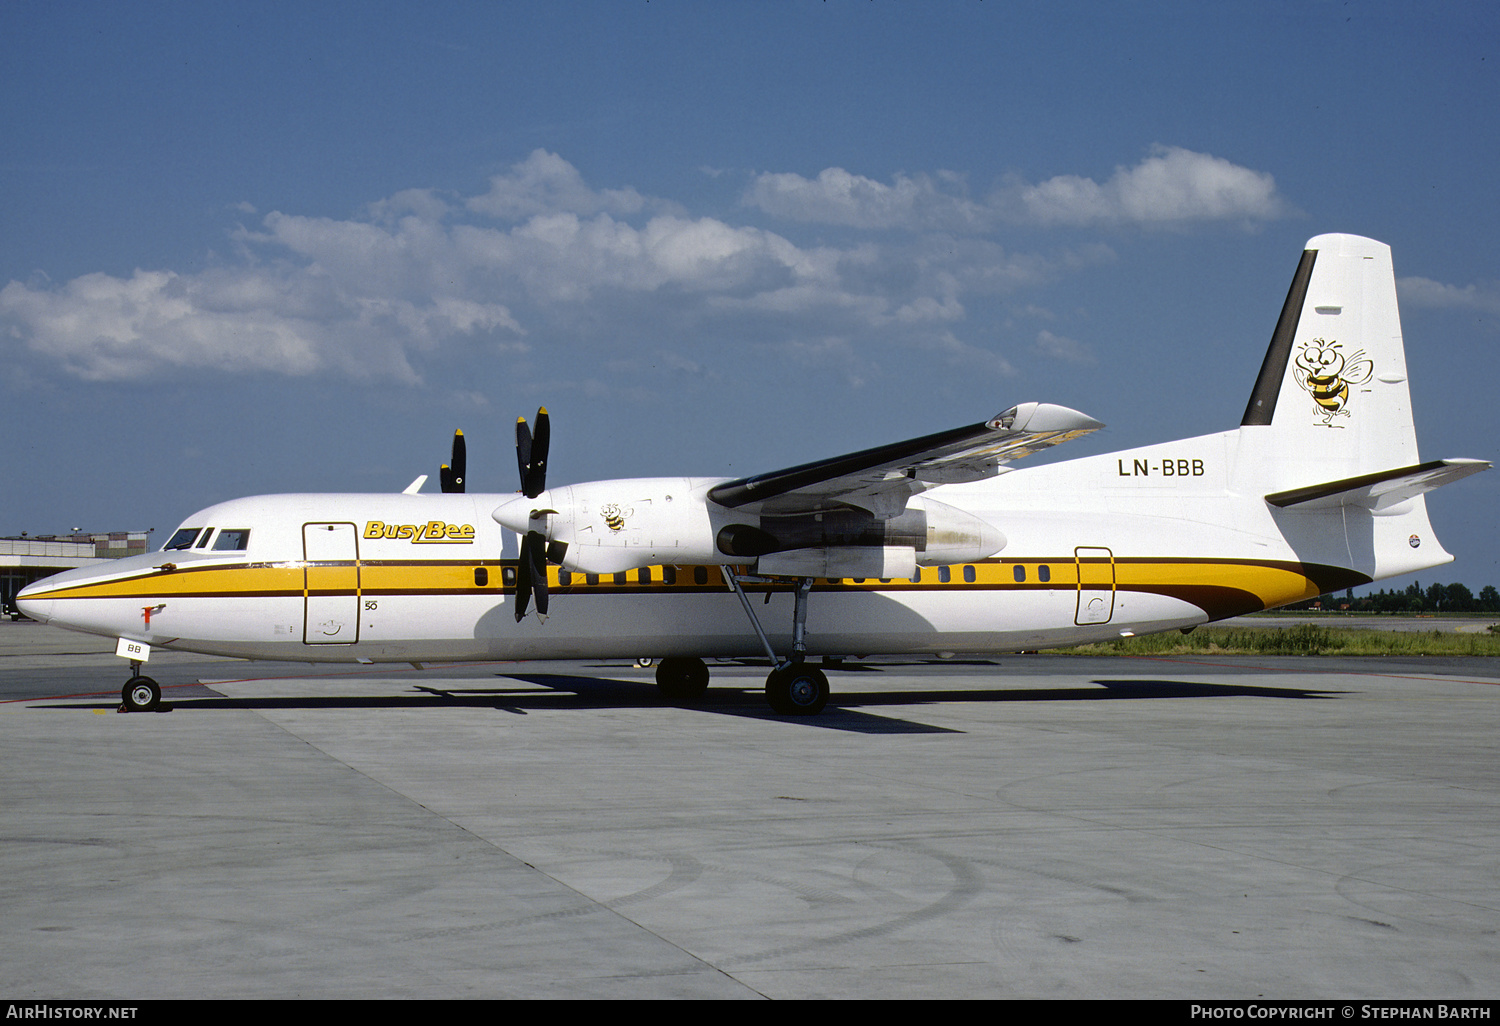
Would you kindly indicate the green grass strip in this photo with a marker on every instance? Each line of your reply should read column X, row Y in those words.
column 1305, row 639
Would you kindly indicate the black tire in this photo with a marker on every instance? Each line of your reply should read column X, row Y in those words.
column 682, row 679
column 141, row 694
column 797, row 690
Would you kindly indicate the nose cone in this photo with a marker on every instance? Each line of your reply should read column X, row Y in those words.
column 36, row 608
column 81, row 599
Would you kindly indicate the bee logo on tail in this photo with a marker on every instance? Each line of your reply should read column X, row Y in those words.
column 1325, row 373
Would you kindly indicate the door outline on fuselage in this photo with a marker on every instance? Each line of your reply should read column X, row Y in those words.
column 330, row 614
column 1096, row 585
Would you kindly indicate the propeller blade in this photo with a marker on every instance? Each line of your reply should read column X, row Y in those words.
column 451, row 477
column 539, row 570
column 523, row 582
column 531, row 453
column 531, row 461
column 523, row 448
column 531, row 574
column 460, row 461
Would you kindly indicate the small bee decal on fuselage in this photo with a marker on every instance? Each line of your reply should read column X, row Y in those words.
column 1325, row 373
column 614, row 516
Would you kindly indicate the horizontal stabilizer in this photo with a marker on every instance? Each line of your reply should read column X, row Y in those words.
column 1379, row 491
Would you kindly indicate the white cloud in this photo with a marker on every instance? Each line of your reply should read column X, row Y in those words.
column 542, row 264
column 1060, row 347
column 363, row 297
column 103, row 328
column 1428, row 293
column 546, row 183
column 100, row 327
column 960, row 356
column 1173, row 185
column 918, row 202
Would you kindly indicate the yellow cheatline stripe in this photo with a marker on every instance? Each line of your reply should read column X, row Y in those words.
column 1269, row 582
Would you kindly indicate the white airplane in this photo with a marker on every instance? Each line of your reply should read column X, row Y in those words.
column 927, row 546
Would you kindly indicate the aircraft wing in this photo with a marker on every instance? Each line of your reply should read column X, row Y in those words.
column 882, row 479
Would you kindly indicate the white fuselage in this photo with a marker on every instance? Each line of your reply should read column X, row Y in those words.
column 1126, row 543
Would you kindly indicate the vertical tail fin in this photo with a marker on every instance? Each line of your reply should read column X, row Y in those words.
column 1332, row 391
column 1327, row 439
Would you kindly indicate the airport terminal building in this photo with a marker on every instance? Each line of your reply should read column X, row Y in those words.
column 30, row 558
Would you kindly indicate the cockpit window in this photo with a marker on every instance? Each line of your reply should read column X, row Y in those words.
column 183, row 539
column 232, row 540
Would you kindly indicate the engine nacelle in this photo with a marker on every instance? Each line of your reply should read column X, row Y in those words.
column 606, row 527
column 854, row 543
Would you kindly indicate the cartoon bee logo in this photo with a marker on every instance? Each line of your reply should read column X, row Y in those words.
column 1325, row 373
column 614, row 516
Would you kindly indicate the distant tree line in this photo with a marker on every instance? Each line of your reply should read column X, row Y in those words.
column 1435, row 598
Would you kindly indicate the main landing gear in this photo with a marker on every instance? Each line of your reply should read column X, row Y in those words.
column 793, row 688
column 796, row 689
column 140, row 694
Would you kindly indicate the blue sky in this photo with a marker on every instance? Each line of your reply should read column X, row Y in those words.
column 262, row 247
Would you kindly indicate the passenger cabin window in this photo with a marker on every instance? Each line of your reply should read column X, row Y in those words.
column 232, row 540
column 1044, row 573
column 1020, row 574
column 183, row 539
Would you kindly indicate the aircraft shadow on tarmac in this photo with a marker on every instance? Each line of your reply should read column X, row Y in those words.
column 845, row 710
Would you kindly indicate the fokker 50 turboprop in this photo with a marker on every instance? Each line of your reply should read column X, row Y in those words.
column 931, row 545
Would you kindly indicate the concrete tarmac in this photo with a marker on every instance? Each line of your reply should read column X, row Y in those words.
column 1037, row 826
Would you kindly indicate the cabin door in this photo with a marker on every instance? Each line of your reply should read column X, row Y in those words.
column 330, row 584
column 1096, row 585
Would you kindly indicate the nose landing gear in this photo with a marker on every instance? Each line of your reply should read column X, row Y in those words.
column 140, row 694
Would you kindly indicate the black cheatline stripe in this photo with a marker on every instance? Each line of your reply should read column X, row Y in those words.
column 1327, row 578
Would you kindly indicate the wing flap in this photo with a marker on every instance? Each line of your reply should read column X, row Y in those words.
column 1378, row 491
column 882, row 479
